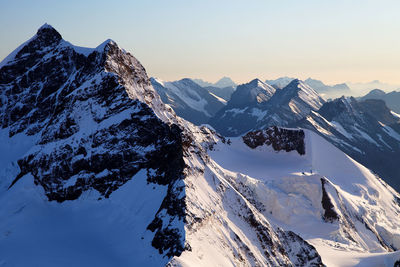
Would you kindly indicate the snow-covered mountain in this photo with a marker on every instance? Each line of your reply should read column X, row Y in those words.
column 257, row 105
column 290, row 104
column 280, row 82
column 99, row 172
column 328, row 90
column 302, row 183
column 366, row 130
column 221, row 83
column 242, row 110
column 362, row 88
column 331, row 91
column 223, row 88
column 391, row 99
column 76, row 125
column 225, row 92
column 189, row 100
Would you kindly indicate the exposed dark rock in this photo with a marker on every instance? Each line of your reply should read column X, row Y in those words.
column 330, row 214
column 300, row 252
column 278, row 138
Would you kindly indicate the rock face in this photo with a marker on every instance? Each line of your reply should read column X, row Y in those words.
column 279, row 138
column 71, row 106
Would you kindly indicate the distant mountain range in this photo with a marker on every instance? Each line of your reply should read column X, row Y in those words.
column 365, row 129
column 391, row 99
column 189, row 100
column 223, row 82
column 323, row 89
column 257, row 105
column 360, row 89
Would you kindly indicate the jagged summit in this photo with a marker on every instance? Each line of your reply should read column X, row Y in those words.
column 106, row 43
column 298, row 96
column 255, row 82
column 257, row 105
column 47, row 49
column 47, row 38
column 48, row 34
column 253, row 92
column 297, row 84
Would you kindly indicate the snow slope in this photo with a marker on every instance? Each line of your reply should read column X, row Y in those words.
column 85, row 232
column 366, row 130
column 289, row 190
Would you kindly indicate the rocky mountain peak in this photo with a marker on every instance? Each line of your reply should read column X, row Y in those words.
column 48, row 33
column 253, row 92
column 298, row 90
column 296, row 85
column 343, row 105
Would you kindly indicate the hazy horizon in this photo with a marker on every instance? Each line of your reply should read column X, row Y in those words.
column 332, row 42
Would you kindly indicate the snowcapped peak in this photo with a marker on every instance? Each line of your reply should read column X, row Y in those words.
column 299, row 90
column 252, row 92
column 295, row 83
column 299, row 85
column 257, row 86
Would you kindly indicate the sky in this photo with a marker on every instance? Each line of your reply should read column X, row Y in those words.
column 334, row 41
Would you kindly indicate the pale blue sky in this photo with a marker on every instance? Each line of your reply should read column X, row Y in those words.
column 335, row 41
